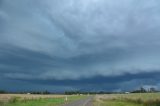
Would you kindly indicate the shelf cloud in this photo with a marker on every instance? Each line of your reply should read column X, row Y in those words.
column 59, row 40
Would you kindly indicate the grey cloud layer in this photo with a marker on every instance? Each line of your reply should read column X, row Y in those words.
column 59, row 39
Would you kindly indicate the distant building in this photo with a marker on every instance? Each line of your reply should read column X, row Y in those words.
column 127, row 92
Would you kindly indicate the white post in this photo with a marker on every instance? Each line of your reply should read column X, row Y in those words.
column 66, row 99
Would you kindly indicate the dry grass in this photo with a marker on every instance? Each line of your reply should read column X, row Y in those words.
column 7, row 97
column 145, row 99
column 35, row 100
column 133, row 96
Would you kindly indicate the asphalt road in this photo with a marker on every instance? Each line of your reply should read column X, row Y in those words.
column 82, row 102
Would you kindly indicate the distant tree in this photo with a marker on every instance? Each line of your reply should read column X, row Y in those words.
column 2, row 92
column 142, row 90
column 46, row 92
column 152, row 89
column 73, row 92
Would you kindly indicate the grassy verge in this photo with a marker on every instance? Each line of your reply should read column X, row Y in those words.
column 77, row 97
column 39, row 102
column 130, row 103
column 128, row 100
column 115, row 103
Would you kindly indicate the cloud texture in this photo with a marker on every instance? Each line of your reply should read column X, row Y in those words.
column 58, row 40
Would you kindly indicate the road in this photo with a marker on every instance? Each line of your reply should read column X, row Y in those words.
column 82, row 102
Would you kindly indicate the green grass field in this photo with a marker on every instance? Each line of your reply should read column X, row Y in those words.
column 117, row 103
column 135, row 99
column 16, row 101
column 139, row 99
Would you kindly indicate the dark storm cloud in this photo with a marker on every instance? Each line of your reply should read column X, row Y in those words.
column 112, row 83
column 76, row 40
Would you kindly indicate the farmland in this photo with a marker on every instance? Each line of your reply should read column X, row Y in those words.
column 35, row 100
column 132, row 99
column 135, row 99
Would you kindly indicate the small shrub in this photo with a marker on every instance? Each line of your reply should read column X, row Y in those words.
column 24, row 100
column 13, row 100
column 2, row 103
column 137, row 101
column 152, row 103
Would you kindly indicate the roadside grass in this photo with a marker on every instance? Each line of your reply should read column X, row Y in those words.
column 2, row 103
column 16, row 101
column 35, row 102
column 76, row 97
column 116, row 103
column 146, row 99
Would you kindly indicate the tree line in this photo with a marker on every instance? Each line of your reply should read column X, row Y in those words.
column 141, row 90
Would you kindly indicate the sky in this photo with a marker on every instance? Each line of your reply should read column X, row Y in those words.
column 86, row 45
